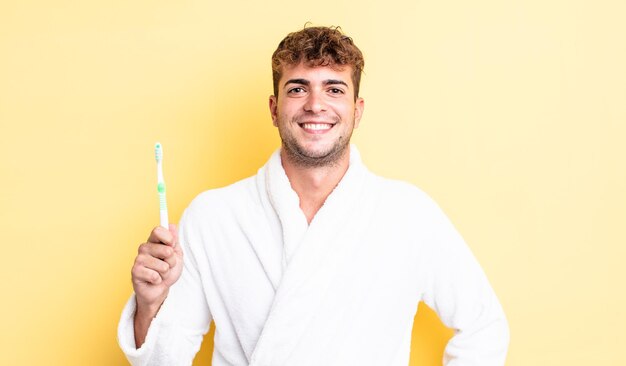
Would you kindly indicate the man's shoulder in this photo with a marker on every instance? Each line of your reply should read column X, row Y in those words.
column 403, row 194
column 401, row 189
column 242, row 193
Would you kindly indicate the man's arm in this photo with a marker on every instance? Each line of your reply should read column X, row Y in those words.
column 458, row 290
column 157, row 267
column 167, row 327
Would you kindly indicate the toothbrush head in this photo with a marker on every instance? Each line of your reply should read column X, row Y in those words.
column 158, row 151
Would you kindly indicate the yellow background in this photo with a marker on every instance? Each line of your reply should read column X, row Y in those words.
column 511, row 114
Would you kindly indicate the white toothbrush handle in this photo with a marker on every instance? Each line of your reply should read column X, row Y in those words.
column 158, row 150
column 162, row 200
column 163, row 210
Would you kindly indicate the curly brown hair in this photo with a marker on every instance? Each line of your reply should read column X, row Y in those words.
column 318, row 46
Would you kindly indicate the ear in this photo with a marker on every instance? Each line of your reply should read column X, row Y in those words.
column 273, row 109
column 358, row 111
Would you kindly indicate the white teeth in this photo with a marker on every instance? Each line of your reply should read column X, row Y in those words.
column 317, row 126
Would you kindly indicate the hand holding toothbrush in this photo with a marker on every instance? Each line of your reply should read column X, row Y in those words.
column 158, row 264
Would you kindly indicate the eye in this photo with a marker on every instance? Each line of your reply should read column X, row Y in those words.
column 295, row 90
column 336, row 91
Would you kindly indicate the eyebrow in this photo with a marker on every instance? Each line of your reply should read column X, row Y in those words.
column 307, row 83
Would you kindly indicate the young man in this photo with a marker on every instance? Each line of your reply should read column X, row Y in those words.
column 314, row 260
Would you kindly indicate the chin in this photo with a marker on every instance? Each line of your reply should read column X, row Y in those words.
column 314, row 157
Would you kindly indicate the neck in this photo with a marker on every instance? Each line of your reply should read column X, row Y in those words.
column 314, row 184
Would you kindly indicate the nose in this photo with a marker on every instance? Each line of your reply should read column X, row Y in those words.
column 315, row 102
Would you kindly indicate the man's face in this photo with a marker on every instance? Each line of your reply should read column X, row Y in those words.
column 315, row 113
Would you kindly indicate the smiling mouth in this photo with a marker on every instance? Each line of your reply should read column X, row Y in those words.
column 316, row 126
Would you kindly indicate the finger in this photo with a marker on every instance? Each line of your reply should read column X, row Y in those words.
column 171, row 260
column 168, row 254
column 152, row 263
column 142, row 274
column 174, row 232
column 161, row 235
column 155, row 250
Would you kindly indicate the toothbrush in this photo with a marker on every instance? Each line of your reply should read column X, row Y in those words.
column 158, row 151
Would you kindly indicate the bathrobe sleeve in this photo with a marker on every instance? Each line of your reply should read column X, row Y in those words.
column 175, row 334
column 458, row 290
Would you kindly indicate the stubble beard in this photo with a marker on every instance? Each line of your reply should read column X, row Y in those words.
column 303, row 158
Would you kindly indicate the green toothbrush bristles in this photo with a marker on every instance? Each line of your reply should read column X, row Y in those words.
column 158, row 151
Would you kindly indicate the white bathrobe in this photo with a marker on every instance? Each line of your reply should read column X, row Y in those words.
column 341, row 291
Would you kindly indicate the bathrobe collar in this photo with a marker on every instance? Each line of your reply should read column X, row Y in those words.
column 286, row 203
column 311, row 254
